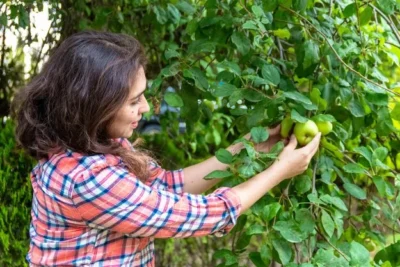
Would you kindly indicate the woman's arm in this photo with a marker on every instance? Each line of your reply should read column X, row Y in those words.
column 193, row 175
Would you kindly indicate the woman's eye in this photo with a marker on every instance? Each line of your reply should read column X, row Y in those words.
column 135, row 102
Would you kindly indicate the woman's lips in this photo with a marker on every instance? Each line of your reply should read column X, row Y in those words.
column 134, row 124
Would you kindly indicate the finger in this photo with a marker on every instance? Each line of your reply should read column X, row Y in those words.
column 275, row 131
column 292, row 142
column 312, row 147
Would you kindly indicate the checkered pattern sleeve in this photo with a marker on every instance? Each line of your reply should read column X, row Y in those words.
column 171, row 181
column 110, row 197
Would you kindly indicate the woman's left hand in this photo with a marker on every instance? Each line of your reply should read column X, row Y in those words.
column 274, row 137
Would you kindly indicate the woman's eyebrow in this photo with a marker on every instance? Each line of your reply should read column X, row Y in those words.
column 133, row 98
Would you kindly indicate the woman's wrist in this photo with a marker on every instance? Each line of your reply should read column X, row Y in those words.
column 235, row 148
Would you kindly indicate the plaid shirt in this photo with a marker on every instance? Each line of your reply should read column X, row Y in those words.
column 90, row 211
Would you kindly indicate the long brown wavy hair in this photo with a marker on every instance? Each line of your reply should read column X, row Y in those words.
column 76, row 95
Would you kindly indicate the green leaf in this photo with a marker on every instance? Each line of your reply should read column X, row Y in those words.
column 337, row 202
column 224, row 90
column 324, row 258
column 290, row 230
column 169, row 53
column 390, row 253
column 380, row 185
column 185, row 7
column 297, row 117
column 230, row 66
column 257, row 11
column 353, row 168
column 395, row 113
column 302, row 184
column 284, row 250
column 327, row 223
column 218, row 175
column 387, row 6
column 173, row 99
column 224, row 156
column 305, row 220
column 356, row 108
column 255, row 229
column 359, row 255
column 198, row 76
column 270, row 211
column 311, row 54
column 298, row 97
column 250, row 25
column 256, row 259
column 202, row 45
column 355, row 191
column 323, row 117
column 271, row 74
column 242, row 42
column 229, row 257
column 349, row 10
column 173, row 14
column 365, row 152
column 366, row 15
column 259, row 134
column 282, row 33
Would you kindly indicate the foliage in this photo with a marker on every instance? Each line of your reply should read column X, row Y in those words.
column 15, row 200
column 239, row 65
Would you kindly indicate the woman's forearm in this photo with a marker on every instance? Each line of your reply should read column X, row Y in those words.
column 194, row 175
column 255, row 188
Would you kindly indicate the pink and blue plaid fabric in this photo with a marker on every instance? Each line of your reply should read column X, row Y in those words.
column 90, row 211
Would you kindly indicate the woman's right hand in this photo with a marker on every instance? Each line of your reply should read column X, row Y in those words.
column 292, row 161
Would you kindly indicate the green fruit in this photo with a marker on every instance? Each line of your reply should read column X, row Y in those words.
column 325, row 127
column 305, row 132
column 398, row 161
column 286, row 126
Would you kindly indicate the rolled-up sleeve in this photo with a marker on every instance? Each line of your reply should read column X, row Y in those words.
column 171, row 181
column 112, row 198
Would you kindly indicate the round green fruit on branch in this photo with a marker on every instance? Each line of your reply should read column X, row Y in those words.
column 325, row 127
column 286, row 126
column 305, row 132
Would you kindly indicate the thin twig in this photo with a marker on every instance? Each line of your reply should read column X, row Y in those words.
column 388, row 20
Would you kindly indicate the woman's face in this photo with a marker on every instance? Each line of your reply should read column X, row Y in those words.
column 128, row 117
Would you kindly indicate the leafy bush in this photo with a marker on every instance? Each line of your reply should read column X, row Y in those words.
column 15, row 199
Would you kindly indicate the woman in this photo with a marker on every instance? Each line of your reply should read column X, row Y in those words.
column 96, row 200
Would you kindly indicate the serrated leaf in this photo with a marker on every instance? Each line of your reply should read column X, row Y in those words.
column 218, row 175
column 355, row 191
column 259, row 134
